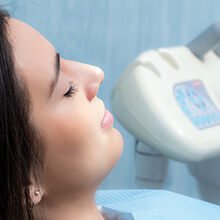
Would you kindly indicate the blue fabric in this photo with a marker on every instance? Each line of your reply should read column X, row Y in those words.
column 153, row 204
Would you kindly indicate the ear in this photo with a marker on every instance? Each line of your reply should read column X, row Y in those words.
column 36, row 192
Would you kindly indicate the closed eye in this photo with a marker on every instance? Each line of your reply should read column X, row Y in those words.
column 73, row 89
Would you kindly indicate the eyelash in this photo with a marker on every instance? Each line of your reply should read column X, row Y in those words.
column 72, row 90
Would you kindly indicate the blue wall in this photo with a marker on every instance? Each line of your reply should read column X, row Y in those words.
column 110, row 34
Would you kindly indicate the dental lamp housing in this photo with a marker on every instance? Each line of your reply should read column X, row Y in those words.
column 170, row 99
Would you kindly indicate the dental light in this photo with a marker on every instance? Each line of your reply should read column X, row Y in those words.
column 169, row 98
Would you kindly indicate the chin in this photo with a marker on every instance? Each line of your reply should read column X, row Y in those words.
column 120, row 139
column 115, row 149
column 118, row 145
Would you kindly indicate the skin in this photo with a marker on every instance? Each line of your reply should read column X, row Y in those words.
column 79, row 154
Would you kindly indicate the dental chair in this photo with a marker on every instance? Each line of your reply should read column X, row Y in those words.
column 169, row 99
column 153, row 205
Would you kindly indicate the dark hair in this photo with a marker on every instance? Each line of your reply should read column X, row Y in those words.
column 19, row 142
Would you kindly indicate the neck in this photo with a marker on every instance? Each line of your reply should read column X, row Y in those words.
column 76, row 207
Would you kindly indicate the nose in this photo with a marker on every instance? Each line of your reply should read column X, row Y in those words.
column 94, row 78
column 89, row 77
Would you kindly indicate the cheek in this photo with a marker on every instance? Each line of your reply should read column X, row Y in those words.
column 73, row 140
column 72, row 131
column 77, row 150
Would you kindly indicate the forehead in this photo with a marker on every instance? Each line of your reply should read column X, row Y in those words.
column 34, row 56
column 27, row 42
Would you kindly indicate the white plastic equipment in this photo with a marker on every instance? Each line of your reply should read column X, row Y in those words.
column 169, row 99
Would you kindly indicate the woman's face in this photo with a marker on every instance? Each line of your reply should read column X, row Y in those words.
column 79, row 152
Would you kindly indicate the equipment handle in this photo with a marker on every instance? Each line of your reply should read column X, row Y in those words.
column 207, row 40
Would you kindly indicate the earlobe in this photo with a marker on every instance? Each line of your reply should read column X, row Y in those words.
column 36, row 194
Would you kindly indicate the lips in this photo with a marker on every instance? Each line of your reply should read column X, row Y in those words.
column 107, row 120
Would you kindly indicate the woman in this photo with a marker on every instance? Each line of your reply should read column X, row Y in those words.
column 57, row 141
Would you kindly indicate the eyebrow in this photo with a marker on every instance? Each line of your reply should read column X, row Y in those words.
column 57, row 72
